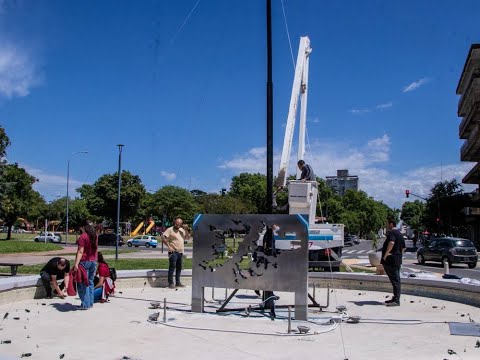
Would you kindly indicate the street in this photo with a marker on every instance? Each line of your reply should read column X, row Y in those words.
column 361, row 251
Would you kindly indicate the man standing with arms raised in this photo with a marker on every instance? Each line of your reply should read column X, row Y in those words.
column 174, row 238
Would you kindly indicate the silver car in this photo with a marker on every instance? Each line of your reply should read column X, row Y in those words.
column 50, row 237
column 143, row 240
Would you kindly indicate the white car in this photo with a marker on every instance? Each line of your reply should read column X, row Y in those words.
column 143, row 240
column 51, row 237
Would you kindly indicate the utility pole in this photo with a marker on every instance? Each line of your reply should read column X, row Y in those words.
column 269, row 111
column 120, row 146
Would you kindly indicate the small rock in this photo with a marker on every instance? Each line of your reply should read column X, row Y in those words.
column 16, row 318
column 411, row 301
column 434, row 306
column 61, row 356
column 26, row 310
column 26, row 355
column 462, row 315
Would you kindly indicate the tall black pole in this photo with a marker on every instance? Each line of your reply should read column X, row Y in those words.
column 269, row 111
column 120, row 146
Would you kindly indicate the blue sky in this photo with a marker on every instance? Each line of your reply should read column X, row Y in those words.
column 186, row 94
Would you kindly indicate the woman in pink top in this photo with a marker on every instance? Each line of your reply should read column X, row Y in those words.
column 87, row 258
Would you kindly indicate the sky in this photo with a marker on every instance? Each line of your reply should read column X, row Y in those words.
column 182, row 84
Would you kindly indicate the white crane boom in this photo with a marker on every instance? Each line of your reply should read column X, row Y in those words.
column 299, row 89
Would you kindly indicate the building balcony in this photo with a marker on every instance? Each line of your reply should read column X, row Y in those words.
column 470, row 150
column 469, row 121
column 473, row 177
column 470, row 97
column 472, row 62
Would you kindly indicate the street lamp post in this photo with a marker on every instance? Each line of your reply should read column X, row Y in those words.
column 120, row 146
column 68, row 179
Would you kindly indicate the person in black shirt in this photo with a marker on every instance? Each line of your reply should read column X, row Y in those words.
column 307, row 171
column 392, row 250
column 56, row 269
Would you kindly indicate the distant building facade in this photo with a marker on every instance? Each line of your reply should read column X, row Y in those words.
column 342, row 182
column 469, row 110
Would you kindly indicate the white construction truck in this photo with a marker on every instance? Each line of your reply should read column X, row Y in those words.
column 325, row 240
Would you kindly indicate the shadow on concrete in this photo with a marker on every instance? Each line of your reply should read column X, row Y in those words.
column 64, row 307
column 367, row 302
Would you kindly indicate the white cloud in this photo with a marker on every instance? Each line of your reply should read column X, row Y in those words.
column 168, row 176
column 252, row 161
column 18, row 73
column 384, row 106
column 51, row 185
column 415, row 85
column 359, row 111
column 369, row 162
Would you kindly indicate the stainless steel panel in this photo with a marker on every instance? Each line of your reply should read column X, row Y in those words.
column 256, row 264
column 464, row 329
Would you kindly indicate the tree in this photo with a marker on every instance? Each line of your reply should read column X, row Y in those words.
column 101, row 197
column 36, row 210
column 16, row 195
column 444, row 208
column 173, row 201
column 371, row 214
column 4, row 143
column 217, row 204
column 413, row 213
column 251, row 188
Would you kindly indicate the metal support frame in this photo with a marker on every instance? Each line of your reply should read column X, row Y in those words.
column 257, row 263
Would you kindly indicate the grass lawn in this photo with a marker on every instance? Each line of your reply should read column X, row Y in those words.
column 15, row 246
column 18, row 237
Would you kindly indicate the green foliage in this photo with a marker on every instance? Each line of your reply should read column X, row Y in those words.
column 16, row 195
column 413, row 214
column 363, row 215
column 4, row 142
column 14, row 247
column 101, row 197
column 37, row 208
column 251, row 188
column 446, row 203
column 217, row 204
column 173, row 201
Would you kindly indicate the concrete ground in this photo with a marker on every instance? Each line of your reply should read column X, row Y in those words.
column 418, row 329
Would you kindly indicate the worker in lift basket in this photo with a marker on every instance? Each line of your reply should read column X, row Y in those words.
column 307, row 171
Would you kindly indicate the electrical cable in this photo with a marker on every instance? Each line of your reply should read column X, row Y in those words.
column 333, row 327
column 184, row 22
column 288, row 35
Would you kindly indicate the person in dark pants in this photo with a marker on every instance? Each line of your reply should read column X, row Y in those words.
column 392, row 250
column 56, row 269
column 174, row 238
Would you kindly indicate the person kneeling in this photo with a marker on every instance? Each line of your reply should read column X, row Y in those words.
column 104, row 284
column 56, row 269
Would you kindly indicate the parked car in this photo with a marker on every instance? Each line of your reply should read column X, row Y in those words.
column 49, row 237
column 355, row 238
column 143, row 240
column 348, row 240
column 449, row 249
column 109, row 240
